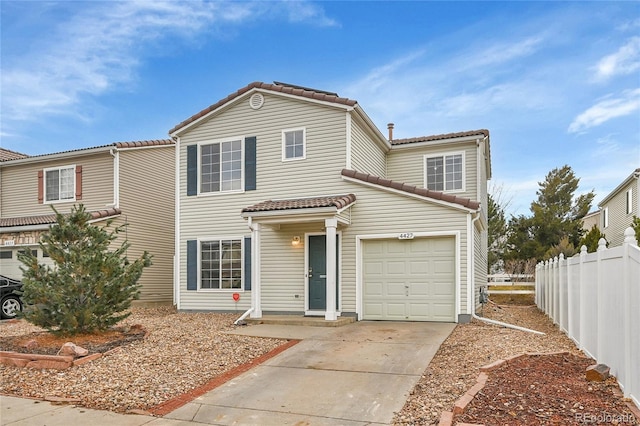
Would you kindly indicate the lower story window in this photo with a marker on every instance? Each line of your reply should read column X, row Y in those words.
column 221, row 264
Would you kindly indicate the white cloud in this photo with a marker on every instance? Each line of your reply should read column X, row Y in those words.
column 605, row 110
column 102, row 45
column 624, row 61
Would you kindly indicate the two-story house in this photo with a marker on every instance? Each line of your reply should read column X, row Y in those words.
column 290, row 200
column 618, row 209
column 128, row 182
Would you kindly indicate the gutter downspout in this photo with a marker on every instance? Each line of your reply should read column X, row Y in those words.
column 116, row 177
column 473, row 303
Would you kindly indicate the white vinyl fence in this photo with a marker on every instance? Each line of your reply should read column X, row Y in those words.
column 595, row 299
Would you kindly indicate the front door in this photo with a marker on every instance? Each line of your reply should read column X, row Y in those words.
column 318, row 272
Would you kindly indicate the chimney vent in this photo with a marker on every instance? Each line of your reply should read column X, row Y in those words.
column 390, row 127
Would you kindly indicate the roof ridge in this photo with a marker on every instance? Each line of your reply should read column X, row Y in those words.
column 441, row 136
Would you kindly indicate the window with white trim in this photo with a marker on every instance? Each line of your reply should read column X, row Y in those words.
column 293, row 144
column 605, row 217
column 221, row 166
column 629, row 202
column 221, row 264
column 59, row 184
column 444, row 172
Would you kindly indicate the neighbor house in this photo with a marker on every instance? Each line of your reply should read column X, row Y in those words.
column 618, row 209
column 290, row 200
column 128, row 182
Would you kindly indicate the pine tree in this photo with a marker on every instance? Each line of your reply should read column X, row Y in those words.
column 591, row 239
column 90, row 287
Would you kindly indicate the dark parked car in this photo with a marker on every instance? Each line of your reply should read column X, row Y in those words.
column 10, row 303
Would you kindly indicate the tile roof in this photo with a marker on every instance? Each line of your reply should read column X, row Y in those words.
column 7, row 154
column 411, row 189
column 481, row 132
column 47, row 219
column 140, row 144
column 276, row 87
column 337, row 201
column 118, row 145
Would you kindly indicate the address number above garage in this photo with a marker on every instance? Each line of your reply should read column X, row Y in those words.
column 406, row 236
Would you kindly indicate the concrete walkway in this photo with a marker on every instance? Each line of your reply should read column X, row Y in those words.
column 358, row 374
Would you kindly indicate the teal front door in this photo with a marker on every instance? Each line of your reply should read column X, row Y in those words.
column 318, row 272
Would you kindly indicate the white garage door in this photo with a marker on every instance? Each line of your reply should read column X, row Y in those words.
column 409, row 280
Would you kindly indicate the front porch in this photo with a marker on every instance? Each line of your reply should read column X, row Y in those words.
column 321, row 218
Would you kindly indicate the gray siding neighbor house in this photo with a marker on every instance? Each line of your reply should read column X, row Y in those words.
column 291, row 201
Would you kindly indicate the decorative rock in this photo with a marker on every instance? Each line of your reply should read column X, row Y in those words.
column 72, row 349
column 86, row 359
column 55, row 365
column 597, row 373
column 14, row 362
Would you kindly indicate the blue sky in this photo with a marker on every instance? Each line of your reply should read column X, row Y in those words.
column 555, row 82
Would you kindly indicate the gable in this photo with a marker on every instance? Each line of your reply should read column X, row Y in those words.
column 310, row 95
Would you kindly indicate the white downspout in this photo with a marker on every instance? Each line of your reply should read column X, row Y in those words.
column 116, row 177
column 473, row 303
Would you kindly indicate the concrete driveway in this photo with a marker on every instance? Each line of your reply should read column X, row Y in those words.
column 358, row 374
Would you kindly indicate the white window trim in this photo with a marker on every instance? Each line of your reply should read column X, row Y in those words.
column 304, row 144
column 605, row 217
column 44, row 184
column 220, row 290
column 629, row 201
column 242, row 181
column 444, row 155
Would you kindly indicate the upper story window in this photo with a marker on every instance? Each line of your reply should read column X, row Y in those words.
column 629, row 202
column 221, row 166
column 59, row 184
column 605, row 217
column 444, row 172
column 293, row 144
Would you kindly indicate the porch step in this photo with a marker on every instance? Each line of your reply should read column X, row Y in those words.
column 299, row 320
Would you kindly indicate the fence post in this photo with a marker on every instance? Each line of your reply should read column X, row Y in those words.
column 547, row 292
column 600, row 323
column 629, row 240
column 561, row 285
column 583, row 300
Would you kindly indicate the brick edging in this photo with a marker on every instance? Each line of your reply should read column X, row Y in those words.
column 177, row 402
column 446, row 417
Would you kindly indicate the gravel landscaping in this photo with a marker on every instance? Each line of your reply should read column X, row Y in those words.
column 181, row 352
column 457, row 363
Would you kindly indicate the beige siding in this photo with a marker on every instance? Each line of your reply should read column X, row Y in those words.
column 481, row 262
column 381, row 212
column 366, row 155
column 407, row 165
column 19, row 190
column 619, row 220
column 147, row 188
column 219, row 215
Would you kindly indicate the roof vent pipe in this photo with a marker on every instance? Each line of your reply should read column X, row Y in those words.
column 390, row 127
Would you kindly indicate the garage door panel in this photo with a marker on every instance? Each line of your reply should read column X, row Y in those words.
column 409, row 279
column 395, row 289
column 396, row 267
column 418, row 289
column 418, row 267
